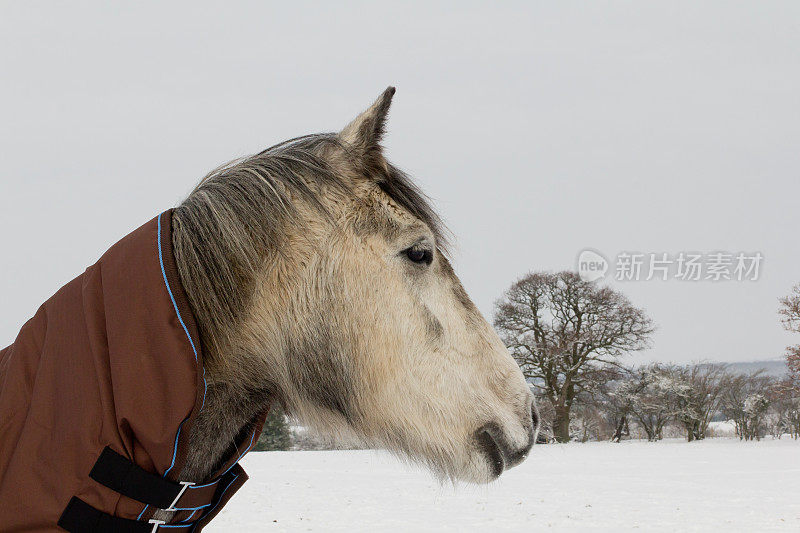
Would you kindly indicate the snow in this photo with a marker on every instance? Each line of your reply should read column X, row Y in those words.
column 726, row 428
column 711, row 485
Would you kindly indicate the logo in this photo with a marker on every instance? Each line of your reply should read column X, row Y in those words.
column 591, row 265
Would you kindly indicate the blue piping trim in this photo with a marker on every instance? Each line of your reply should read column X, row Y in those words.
column 210, row 510
column 195, row 509
column 201, row 486
column 252, row 437
column 180, row 319
column 143, row 510
column 220, row 498
column 194, row 350
column 191, row 508
column 175, row 448
column 223, row 492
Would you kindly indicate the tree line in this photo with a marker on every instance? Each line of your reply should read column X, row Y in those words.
column 569, row 337
column 685, row 399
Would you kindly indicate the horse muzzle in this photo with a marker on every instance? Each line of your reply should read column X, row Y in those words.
column 500, row 452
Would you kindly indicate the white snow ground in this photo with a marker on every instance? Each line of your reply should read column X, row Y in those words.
column 713, row 485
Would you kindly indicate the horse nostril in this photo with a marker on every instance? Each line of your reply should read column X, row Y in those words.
column 491, row 448
column 500, row 451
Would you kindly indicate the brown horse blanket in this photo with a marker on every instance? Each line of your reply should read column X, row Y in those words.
column 98, row 396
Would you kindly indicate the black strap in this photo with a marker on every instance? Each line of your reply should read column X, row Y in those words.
column 129, row 479
column 123, row 476
column 80, row 517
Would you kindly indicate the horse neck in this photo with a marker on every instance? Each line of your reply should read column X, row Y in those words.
column 231, row 404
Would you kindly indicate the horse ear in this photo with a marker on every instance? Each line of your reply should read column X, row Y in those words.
column 364, row 134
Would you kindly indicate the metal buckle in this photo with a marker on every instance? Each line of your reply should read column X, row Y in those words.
column 186, row 485
column 155, row 523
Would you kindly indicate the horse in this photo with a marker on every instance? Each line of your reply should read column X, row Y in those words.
column 317, row 278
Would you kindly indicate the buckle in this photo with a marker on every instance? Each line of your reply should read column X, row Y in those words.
column 155, row 523
column 185, row 485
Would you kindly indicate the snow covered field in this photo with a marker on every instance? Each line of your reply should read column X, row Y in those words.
column 712, row 485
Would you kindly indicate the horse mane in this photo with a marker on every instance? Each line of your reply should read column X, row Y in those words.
column 235, row 218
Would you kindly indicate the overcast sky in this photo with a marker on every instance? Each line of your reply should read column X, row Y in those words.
column 539, row 129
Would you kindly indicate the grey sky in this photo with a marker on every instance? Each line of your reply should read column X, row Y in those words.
column 538, row 128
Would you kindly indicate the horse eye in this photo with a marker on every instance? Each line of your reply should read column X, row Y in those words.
column 419, row 255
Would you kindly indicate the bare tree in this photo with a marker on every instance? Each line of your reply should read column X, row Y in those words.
column 744, row 400
column 564, row 332
column 790, row 310
column 696, row 396
column 650, row 389
column 784, row 408
column 617, row 403
column 787, row 392
column 586, row 420
column 790, row 317
column 778, row 414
